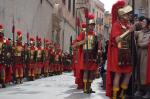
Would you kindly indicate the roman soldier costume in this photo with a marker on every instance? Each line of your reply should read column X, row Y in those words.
column 2, row 66
column 77, row 60
column 8, row 60
column 40, row 57
column 57, row 61
column 51, row 58
column 31, row 59
column 19, row 58
column 87, row 53
column 119, row 53
column 46, row 58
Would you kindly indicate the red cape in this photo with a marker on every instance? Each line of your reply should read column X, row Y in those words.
column 148, row 67
column 112, row 58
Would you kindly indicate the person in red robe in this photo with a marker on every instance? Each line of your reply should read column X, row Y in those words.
column 78, row 65
column 8, row 61
column 19, row 58
column 119, row 56
column 31, row 59
column 46, row 55
column 2, row 66
column 88, row 66
column 40, row 58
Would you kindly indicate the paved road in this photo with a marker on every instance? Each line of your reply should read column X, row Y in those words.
column 55, row 87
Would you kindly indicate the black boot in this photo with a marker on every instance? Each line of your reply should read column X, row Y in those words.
column 3, row 84
column 147, row 95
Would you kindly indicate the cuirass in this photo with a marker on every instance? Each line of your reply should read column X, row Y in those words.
column 32, row 54
column 124, row 51
column 57, row 58
column 90, row 42
column 39, row 53
column 125, row 42
column 18, row 50
column 1, row 44
column 46, row 53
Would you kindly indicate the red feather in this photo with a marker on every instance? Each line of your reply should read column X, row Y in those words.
column 115, row 7
column 19, row 33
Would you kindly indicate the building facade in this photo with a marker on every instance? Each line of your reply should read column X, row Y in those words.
column 51, row 19
column 33, row 16
column 142, row 7
column 107, row 25
column 64, row 23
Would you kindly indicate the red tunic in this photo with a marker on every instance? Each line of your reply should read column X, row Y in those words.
column 148, row 67
column 40, row 60
column 112, row 58
column 90, row 65
column 31, row 61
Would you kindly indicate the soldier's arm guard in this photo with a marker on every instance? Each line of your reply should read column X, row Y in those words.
column 124, row 35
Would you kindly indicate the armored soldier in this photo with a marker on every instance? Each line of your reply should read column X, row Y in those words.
column 87, row 43
column 31, row 59
column 46, row 59
column 119, row 53
column 19, row 58
column 2, row 67
column 60, row 61
column 8, row 60
column 51, row 58
column 57, row 61
column 40, row 57
column 77, row 60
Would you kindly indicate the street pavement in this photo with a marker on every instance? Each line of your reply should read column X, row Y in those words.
column 55, row 87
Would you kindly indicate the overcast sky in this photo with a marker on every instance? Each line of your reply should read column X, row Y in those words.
column 108, row 4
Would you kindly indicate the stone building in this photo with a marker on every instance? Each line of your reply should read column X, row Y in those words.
column 142, row 7
column 33, row 16
column 51, row 19
column 107, row 25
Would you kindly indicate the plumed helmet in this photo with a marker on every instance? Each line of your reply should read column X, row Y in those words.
column 1, row 28
column 91, row 18
column 19, row 36
column 119, row 4
column 124, row 10
column 32, row 40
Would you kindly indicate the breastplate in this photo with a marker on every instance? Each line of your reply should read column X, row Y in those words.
column 57, row 58
column 32, row 54
column 90, row 43
column 18, row 51
column 39, row 53
column 1, row 47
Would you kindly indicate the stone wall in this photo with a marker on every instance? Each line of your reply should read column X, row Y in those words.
column 31, row 16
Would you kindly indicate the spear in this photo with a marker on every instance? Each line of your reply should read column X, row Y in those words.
column 28, row 38
column 37, row 39
column 13, row 32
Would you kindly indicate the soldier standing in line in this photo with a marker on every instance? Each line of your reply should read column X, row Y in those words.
column 40, row 58
column 2, row 67
column 46, row 58
column 7, row 55
column 31, row 60
column 51, row 58
column 19, row 58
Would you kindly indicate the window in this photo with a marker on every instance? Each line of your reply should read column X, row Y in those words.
column 69, row 5
column 64, row 1
column 73, row 7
